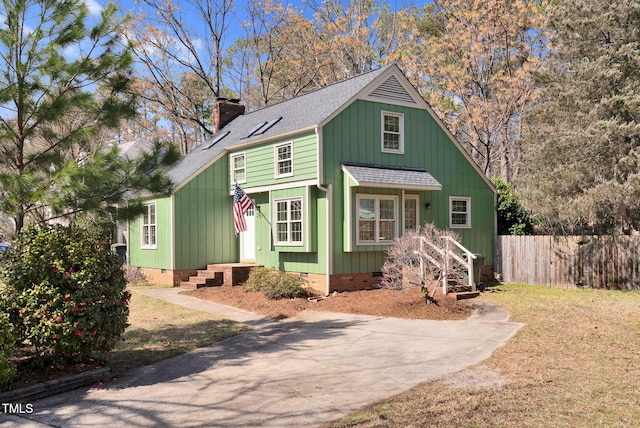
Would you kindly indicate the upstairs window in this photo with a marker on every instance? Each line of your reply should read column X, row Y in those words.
column 459, row 212
column 149, row 226
column 238, row 168
column 392, row 132
column 284, row 160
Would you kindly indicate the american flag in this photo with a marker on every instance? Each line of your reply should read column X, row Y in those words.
column 241, row 204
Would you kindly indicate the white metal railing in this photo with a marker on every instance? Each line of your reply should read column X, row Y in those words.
column 447, row 254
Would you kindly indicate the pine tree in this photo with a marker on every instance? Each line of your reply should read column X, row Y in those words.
column 583, row 155
column 61, row 84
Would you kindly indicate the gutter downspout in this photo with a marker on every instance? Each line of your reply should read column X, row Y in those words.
column 329, row 219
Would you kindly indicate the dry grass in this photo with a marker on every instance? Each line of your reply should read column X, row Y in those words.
column 576, row 363
column 161, row 330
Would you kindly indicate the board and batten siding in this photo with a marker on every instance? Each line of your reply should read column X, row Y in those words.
column 354, row 135
column 204, row 219
column 159, row 257
column 311, row 256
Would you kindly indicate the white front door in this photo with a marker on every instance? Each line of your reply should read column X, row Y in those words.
column 248, row 237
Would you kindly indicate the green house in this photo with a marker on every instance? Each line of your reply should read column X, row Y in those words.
column 335, row 176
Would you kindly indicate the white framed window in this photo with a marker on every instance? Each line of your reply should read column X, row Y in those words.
column 411, row 218
column 238, row 165
column 377, row 219
column 459, row 212
column 283, row 160
column 392, row 132
column 288, row 221
column 149, row 226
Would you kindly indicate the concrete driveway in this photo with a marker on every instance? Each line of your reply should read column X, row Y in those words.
column 297, row 372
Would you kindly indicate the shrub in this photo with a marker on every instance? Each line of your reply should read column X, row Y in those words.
column 7, row 342
column 418, row 259
column 513, row 219
column 275, row 284
column 64, row 291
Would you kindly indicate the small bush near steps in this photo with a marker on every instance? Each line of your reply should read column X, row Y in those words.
column 64, row 291
column 275, row 284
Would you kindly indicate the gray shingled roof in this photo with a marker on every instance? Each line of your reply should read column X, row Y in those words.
column 298, row 113
column 384, row 176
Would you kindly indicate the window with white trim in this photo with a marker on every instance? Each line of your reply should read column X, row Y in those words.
column 149, row 226
column 411, row 219
column 392, row 132
column 238, row 168
column 288, row 221
column 459, row 212
column 284, row 160
column 377, row 219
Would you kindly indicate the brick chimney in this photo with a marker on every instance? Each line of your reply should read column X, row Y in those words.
column 224, row 111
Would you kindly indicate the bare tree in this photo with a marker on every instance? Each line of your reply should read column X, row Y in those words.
column 424, row 258
column 182, row 64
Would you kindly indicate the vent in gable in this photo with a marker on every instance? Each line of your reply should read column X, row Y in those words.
column 393, row 90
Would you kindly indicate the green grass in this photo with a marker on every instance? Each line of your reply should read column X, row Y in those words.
column 160, row 330
column 576, row 363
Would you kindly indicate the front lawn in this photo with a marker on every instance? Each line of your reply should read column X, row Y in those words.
column 576, row 363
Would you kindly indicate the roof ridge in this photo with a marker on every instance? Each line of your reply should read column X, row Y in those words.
column 339, row 82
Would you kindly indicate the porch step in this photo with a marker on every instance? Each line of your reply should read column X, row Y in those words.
column 463, row 295
column 216, row 275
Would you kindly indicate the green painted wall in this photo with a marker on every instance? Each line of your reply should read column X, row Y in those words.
column 311, row 257
column 355, row 136
column 160, row 257
column 204, row 220
column 260, row 161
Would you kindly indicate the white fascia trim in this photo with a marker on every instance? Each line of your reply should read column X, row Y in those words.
column 198, row 171
column 280, row 186
column 364, row 91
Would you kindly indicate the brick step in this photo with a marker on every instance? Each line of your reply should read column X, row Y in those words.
column 198, row 282
column 217, row 275
column 209, row 274
column 464, row 295
column 186, row 285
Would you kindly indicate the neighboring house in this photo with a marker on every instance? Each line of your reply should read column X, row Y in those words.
column 336, row 175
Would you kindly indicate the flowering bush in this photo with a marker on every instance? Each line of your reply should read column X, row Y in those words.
column 64, row 291
column 7, row 342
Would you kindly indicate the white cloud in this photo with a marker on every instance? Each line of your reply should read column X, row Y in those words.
column 94, row 7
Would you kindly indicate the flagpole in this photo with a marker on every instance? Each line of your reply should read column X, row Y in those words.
column 256, row 207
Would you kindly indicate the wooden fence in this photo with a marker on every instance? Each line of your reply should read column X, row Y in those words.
column 611, row 262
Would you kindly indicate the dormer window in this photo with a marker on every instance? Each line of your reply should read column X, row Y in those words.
column 392, row 132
